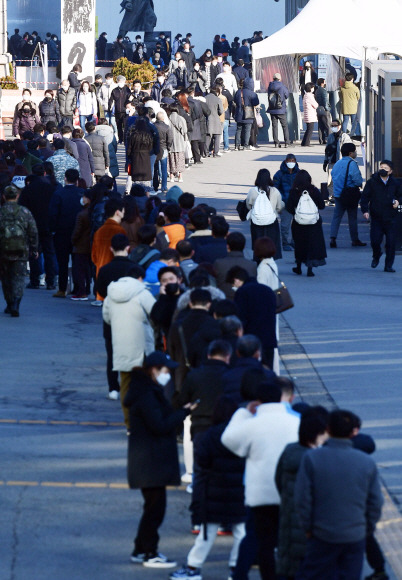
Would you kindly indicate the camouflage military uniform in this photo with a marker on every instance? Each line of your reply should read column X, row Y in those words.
column 13, row 267
column 61, row 161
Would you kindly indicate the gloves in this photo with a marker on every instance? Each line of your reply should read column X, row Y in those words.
column 325, row 165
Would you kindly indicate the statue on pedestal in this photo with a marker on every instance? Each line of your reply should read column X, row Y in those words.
column 139, row 16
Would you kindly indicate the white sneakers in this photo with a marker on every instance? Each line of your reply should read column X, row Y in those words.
column 114, row 395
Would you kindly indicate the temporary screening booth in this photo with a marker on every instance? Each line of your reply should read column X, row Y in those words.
column 320, row 29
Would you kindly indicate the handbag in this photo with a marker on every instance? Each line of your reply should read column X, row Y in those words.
column 321, row 111
column 242, row 210
column 259, row 119
column 350, row 196
column 284, row 300
column 248, row 111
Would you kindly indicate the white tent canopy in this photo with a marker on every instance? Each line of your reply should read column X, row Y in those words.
column 357, row 29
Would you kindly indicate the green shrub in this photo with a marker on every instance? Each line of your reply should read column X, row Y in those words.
column 8, row 83
column 143, row 72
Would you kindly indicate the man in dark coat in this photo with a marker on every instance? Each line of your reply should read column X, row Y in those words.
column 64, row 207
column 67, row 100
column 283, row 181
column 278, row 94
column 323, row 111
column 15, row 42
column 36, row 197
column 236, row 243
column 188, row 56
column 215, row 246
column 118, row 48
column 196, row 321
column 118, row 268
column 119, row 98
column 101, row 47
column 381, row 197
column 257, row 310
column 240, row 71
column 249, row 351
column 100, row 151
column 244, row 97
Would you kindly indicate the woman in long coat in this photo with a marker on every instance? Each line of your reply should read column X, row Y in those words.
column 263, row 183
column 85, row 157
column 214, row 127
column 244, row 97
column 309, row 239
column 139, row 148
column 153, row 461
column 176, row 158
column 106, row 131
column 310, row 106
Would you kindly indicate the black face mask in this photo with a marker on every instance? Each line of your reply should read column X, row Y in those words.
column 383, row 173
column 171, row 289
column 48, row 98
column 26, row 111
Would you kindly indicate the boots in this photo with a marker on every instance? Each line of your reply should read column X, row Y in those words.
column 7, row 310
column 15, row 307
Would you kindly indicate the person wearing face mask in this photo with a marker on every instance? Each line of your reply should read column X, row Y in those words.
column 104, row 94
column 307, row 75
column 87, row 104
column 101, row 47
column 118, row 99
column 81, row 258
column 283, row 181
column 49, row 109
column 181, row 74
column 292, row 541
column 381, row 197
column 346, row 174
column 139, row 55
column 73, row 77
column 126, row 308
column 67, row 100
column 118, row 48
column 310, row 106
column 158, row 87
column 26, row 99
column 152, row 452
column 188, row 56
column 25, row 120
column 336, row 139
column 323, row 111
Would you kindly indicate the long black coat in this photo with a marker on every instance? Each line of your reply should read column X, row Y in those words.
column 309, row 240
column 292, row 539
column 152, row 450
column 223, row 494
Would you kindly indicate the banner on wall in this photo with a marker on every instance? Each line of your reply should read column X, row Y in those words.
column 78, row 37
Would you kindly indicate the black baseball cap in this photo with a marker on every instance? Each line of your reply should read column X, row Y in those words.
column 159, row 359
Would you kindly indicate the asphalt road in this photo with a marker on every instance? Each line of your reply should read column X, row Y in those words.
column 66, row 511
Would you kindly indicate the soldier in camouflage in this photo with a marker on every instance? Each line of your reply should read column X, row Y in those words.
column 18, row 239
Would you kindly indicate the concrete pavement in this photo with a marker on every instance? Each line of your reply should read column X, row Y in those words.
column 66, row 510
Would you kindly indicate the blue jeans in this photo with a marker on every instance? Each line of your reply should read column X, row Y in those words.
column 344, row 561
column 85, row 119
column 111, row 120
column 243, row 131
column 353, row 119
column 337, row 218
column 162, row 167
column 226, row 134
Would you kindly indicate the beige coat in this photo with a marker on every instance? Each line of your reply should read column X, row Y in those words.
column 350, row 96
column 274, row 197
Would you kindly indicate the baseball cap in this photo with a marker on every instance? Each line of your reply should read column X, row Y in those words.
column 19, row 181
column 159, row 359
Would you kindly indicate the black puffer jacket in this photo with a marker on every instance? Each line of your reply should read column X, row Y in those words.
column 152, row 449
column 67, row 102
column 49, row 111
column 292, row 540
column 100, row 152
column 223, row 494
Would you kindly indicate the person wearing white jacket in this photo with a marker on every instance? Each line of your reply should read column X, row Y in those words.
column 260, row 433
column 126, row 308
column 87, row 104
column 228, row 78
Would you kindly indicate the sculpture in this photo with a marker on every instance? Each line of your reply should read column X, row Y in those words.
column 139, row 16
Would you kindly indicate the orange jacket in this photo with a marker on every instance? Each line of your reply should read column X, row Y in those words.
column 175, row 233
column 101, row 252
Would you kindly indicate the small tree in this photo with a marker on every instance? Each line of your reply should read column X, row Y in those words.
column 144, row 72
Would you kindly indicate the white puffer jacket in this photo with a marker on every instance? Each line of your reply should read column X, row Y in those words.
column 127, row 308
column 261, row 438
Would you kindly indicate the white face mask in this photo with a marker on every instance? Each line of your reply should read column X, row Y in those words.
column 161, row 80
column 234, row 288
column 121, row 84
column 291, row 164
column 25, row 98
column 82, row 201
column 334, row 129
column 65, row 88
column 163, row 379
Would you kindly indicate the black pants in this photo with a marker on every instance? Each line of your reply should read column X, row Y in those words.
column 120, row 117
column 284, row 123
column 247, row 549
column 266, row 522
column 374, row 554
column 153, row 513
column 268, row 357
column 46, row 247
column 196, row 149
column 324, row 126
column 378, row 230
column 308, row 134
column 112, row 376
column 82, row 273
column 63, row 247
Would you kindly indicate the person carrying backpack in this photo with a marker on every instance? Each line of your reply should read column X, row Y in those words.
column 278, row 94
column 303, row 203
column 18, row 240
column 264, row 202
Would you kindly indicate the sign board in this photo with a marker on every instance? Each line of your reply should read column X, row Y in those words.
column 78, row 37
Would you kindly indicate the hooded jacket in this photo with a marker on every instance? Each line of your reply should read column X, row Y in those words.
column 250, row 99
column 350, row 96
column 283, row 92
column 283, row 179
column 126, row 308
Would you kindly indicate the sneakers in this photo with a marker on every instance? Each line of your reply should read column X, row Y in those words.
column 224, row 531
column 59, row 294
column 181, row 180
column 186, row 573
column 252, row 148
column 158, row 561
column 136, row 558
column 113, row 395
column 97, row 303
column 227, row 151
column 195, row 530
column 187, row 478
column 78, row 297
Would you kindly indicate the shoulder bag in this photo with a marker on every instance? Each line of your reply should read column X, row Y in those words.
column 242, row 210
column 248, row 111
column 350, row 196
column 284, row 300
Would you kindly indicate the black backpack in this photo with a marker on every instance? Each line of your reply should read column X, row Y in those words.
column 274, row 101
